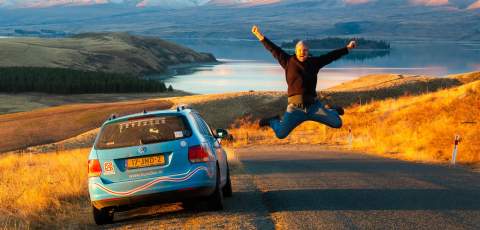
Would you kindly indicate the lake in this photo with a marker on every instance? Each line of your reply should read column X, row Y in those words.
column 247, row 65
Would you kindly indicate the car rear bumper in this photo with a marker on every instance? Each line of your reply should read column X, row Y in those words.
column 165, row 188
column 125, row 203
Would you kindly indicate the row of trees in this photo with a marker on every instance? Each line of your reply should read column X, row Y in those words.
column 68, row 81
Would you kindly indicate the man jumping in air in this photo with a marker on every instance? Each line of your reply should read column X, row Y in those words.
column 301, row 74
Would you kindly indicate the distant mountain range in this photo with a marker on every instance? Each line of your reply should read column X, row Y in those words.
column 451, row 20
column 136, row 3
column 472, row 4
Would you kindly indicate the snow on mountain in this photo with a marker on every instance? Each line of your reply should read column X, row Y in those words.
column 474, row 6
column 243, row 2
column 172, row 3
column 138, row 3
column 47, row 3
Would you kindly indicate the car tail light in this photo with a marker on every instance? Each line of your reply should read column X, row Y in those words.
column 94, row 168
column 197, row 154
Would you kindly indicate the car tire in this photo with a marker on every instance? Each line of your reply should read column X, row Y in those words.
column 102, row 216
column 227, row 189
column 215, row 201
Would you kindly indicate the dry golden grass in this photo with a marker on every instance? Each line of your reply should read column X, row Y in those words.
column 46, row 190
column 412, row 83
column 75, row 126
column 49, row 190
column 383, row 86
column 21, row 130
column 221, row 110
column 23, row 102
column 49, row 125
column 420, row 128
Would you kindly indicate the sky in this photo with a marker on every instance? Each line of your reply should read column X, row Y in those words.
column 146, row 3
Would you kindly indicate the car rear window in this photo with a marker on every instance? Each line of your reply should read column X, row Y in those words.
column 141, row 131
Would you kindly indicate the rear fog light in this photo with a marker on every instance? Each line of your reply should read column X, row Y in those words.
column 94, row 168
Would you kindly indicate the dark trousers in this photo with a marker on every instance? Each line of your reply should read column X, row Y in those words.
column 294, row 116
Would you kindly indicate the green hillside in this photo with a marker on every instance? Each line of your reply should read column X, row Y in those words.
column 105, row 52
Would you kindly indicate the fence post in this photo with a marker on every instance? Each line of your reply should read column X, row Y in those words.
column 350, row 137
column 455, row 149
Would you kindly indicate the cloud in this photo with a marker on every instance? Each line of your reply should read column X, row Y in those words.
column 429, row 2
column 475, row 5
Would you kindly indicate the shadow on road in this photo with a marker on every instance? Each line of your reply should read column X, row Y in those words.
column 243, row 209
column 297, row 181
column 323, row 200
column 338, row 165
column 451, row 178
column 372, row 199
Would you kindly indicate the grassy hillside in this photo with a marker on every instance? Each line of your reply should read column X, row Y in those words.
column 43, row 188
column 14, row 103
column 381, row 86
column 220, row 110
column 423, row 127
column 217, row 109
column 106, row 52
column 412, row 83
column 49, row 125
column 420, row 128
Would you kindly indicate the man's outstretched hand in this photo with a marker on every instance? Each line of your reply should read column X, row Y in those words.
column 352, row 45
column 257, row 33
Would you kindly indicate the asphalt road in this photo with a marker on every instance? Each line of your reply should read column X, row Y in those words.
column 307, row 187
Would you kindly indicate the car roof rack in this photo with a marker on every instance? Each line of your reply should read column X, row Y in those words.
column 183, row 107
column 112, row 116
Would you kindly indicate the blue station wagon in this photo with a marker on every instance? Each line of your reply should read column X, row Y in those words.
column 157, row 157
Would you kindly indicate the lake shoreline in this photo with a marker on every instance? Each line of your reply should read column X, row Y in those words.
column 24, row 102
column 180, row 69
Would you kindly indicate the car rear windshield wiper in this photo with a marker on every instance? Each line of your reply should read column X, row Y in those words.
column 149, row 141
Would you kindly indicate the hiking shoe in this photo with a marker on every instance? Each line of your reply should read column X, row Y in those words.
column 339, row 109
column 266, row 121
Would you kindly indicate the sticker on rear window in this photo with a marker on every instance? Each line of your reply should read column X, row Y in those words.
column 109, row 169
column 178, row 134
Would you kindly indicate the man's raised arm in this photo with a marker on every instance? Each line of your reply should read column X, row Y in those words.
column 277, row 52
column 328, row 58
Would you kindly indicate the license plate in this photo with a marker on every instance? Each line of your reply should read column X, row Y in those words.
column 141, row 162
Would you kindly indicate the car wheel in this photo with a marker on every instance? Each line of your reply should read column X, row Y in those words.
column 227, row 189
column 102, row 216
column 215, row 201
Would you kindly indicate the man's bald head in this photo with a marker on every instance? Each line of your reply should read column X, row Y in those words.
column 301, row 51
